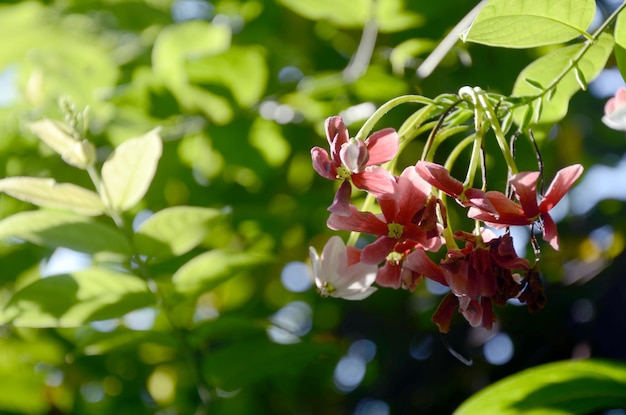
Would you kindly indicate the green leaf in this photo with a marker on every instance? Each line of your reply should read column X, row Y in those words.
column 49, row 193
column 530, row 23
column 208, row 270
column 190, row 40
column 243, row 70
column 127, row 174
column 266, row 136
column 175, row 230
column 548, row 68
column 234, row 366
column 64, row 229
column 93, row 342
column 620, row 43
column 570, row 387
column 75, row 152
column 72, row 300
column 534, row 84
column 390, row 15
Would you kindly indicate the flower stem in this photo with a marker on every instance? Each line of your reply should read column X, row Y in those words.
column 385, row 108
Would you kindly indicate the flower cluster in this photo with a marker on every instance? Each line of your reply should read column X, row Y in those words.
column 481, row 268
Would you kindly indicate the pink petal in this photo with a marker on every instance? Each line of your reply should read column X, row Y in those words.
column 525, row 186
column 336, row 134
column 322, row 163
column 561, row 184
column 357, row 221
column 389, row 276
column 550, row 233
column 508, row 212
column 354, row 155
column 414, row 192
column 354, row 255
column 377, row 251
column 610, row 106
column 438, row 176
column 382, row 146
column 341, row 201
column 479, row 199
column 377, row 181
column 417, row 261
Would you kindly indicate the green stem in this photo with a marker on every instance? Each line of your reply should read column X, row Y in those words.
column 385, row 108
column 576, row 59
column 497, row 129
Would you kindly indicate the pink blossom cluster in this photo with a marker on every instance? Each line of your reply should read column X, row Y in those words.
column 411, row 226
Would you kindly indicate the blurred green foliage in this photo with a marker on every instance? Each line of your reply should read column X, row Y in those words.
column 241, row 90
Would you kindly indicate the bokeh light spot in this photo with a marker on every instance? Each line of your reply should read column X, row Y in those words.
column 499, row 349
column 296, row 277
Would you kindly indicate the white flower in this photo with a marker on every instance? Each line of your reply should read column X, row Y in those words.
column 336, row 278
column 615, row 111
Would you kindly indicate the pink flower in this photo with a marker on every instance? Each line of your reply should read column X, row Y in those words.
column 615, row 111
column 439, row 177
column 338, row 273
column 529, row 211
column 403, row 218
column 357, row 162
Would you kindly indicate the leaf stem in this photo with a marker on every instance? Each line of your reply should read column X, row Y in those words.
column 573, row 63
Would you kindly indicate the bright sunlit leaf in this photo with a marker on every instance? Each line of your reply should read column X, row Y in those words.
column 208, row 270
column 127, row 174
column 73, row 299
column 243, row 70
column 174, row 231
column 390, row 15
column 620, row 43
column 64, row 229
column 75, row 152
column 48, row 193
column 569, row 387
column 545, row 70
column 530, row 23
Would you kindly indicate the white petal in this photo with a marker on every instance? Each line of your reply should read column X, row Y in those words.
column 356, row 295
column 334, row 260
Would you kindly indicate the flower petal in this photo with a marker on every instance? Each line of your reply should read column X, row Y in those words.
column 550, row 233
column 525, row 186
column 382, row 146
column 357, row 221
column 438, row 176
column 417, row 261
column 357, row 277
column 389, row 276
column 377, row 251
column 354, row 155
column 443, row 316
column 334, row 260
column 357, row 295
column 322, row 163
column 336, row 134
column 341, row 201
column 508, row 212
column 561, row 184
column 377, row 181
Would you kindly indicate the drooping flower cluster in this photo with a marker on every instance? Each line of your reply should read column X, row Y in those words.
column 412, row 227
